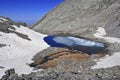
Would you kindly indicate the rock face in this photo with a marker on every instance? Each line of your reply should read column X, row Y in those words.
column 2, row 45
column 82, row 18
column 6, row 26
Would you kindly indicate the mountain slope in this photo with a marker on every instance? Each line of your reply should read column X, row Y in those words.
column 94, row 19
column 19, row 44
column 82, row 18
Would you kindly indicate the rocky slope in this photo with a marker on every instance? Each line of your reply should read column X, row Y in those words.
column 82, row 18
column 93, row 19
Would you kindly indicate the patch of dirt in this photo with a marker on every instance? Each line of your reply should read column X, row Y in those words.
column 62, row 55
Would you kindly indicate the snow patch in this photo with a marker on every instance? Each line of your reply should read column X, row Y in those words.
column 3, row 19
column 101, row 33
column 108, row 61
column 18, row 51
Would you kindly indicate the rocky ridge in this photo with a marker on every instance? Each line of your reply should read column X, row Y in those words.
column 6, row 26
column 82, row 18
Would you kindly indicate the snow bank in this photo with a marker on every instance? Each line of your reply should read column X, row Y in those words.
column 19, row 51
column 101, row 33
column 107, row 61
column 3, row 19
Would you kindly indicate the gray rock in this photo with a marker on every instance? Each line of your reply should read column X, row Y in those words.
column 4, row 26
column 1, row 67
column 10, row 72
column 7, row 27
column 22, row 23
column 59, row 73
column 21, row 35
column 82, row 18
column 2, row 45
column 45, row 52
column 107, row 73
column 10, row 75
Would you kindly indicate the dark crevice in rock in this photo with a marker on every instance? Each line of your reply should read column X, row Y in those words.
column 1, row 67
column 2, row 45
column 21, row 35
